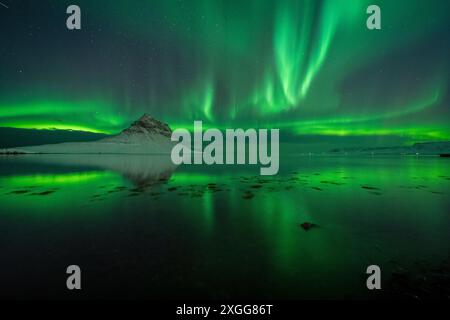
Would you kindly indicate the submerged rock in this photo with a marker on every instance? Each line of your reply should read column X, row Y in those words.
column 369, row 187
column 19, row 191
column 307, row 225
column 43, row 193
column 248, row 195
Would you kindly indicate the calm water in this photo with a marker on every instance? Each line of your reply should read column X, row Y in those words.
column 140, row 227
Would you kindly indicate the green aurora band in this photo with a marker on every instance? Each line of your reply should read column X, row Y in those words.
column 307, row 67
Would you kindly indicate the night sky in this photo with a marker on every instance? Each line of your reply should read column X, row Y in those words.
column 310, row 68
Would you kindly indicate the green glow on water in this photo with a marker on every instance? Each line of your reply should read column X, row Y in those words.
column 56, row 180
column 199, row 178
column 367, row 209
column 53, row 194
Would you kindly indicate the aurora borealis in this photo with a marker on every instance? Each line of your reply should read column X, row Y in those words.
column 310, row 68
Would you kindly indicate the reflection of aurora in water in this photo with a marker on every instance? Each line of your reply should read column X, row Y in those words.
column 388, row 209
column 52, row 194
column 309, row 67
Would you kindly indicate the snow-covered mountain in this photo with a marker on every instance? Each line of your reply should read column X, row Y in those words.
column 145, row 136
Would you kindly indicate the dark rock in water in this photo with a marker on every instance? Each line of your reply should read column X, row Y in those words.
column 369, row 187
column 43, row 193
column 197, row 195
column 18, row 191
column 317, row 188
column 444, row 155
column 248, row 195
column 137, row 190
column 213, row 186
column 133, row 194
column 307, row 226
column 332, row 182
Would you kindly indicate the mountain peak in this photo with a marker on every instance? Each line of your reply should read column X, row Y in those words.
column 148, row 125
column 146, row 117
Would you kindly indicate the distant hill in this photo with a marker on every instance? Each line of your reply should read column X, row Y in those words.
column 13, row 137
column 422, row 148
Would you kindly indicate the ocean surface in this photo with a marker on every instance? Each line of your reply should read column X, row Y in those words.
column 140, row 227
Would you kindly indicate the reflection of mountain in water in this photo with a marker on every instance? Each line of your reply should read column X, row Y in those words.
column 142, row 170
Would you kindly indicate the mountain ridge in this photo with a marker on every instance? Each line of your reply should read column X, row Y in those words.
column 424, row 148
